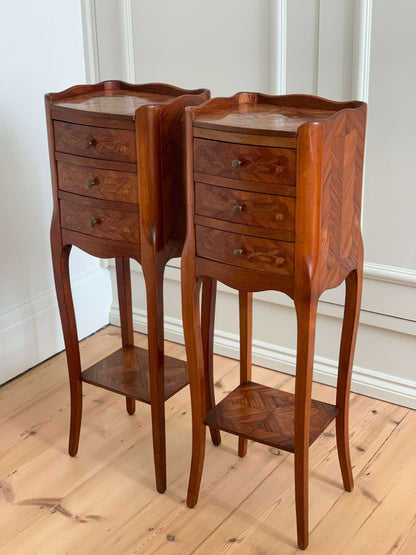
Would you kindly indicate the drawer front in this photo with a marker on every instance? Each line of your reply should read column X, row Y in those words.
column 244, row 207
column 100, row 222
column 95, row 142
column 250, row 163
column 98, row 183
column 244, row 251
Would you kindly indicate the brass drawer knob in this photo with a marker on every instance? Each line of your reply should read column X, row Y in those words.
column 236, row 163
column 91, row 183
column 237, row 209
column 93, row 223
column 238, row 252
column 88, row 144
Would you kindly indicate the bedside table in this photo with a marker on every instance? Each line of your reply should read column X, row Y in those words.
column 116, row 153
column 273, row 202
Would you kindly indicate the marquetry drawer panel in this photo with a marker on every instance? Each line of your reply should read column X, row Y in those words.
column 98, row 183
column 95, row 142
column 244, row 207
column 245, row 251
column 251, row 163
column 100, row 222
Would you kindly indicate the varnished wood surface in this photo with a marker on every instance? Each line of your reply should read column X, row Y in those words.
column 256, row 254
column 261, row 413
column 119, row 186
column 262, row 114
column 326, row 172
column 107, row 144
column 257, row 163
column 118, row 225
column 244, row 207
column 127, row 371
column 95, row 133
column 103, row 500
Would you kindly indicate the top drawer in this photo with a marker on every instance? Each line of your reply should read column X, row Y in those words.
column 250, row 163
column 95, row 142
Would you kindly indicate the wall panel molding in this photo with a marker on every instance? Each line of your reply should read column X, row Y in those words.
column 362, row 49
column 89, row 30
column 278, row 57
column 127, row 39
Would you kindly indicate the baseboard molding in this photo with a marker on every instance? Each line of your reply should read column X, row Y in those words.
column 31, row 332
column 364, row 381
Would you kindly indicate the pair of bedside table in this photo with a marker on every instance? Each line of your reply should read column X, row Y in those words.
column 273, row 197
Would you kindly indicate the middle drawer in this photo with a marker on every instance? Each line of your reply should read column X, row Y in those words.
column 245, row 207
column 100, row 183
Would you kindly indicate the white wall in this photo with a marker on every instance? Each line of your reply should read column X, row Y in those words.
column 41, row 48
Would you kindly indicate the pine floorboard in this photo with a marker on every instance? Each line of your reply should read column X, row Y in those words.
column 104, row 499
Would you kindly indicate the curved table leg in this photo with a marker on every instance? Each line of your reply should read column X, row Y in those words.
column 195, row 357
column 60, row 260
column 306, row 322
column 153, row 274
column 353, row 289
column 126, row 314
column 209, row 294
column 245, row 299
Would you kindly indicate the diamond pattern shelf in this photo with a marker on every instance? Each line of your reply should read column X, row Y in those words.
column 266, row 415
column 126, row 371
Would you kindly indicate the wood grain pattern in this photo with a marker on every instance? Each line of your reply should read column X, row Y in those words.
column 103, row 501
column 256, row 254
column 111, row 224
column 97, row 133
column 126, row 371
column 326, row 169
column 256, row 209
column 258, row 163
column 267, row 415
column 103, row 143
column 98, row 183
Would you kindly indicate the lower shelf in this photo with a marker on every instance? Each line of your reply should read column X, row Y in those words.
column 126, row 371
column 266, row 415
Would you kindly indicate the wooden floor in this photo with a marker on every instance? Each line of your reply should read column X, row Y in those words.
column 104, row 501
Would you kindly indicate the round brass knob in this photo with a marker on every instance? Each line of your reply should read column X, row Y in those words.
column 91, row 183
column 93, row 223
column 236, row 163
column 237, row 209
column 238, row 252
column 88, row 144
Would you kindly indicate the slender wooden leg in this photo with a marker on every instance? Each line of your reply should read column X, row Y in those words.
column 60, row 259
column 209, row 293
column 126, row 314
column 306, row 322
column 245, row 299
column 353, row 288
column 153, row 274
column 197, row 382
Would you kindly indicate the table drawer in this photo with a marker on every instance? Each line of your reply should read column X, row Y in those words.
column 245, row 251
column 100, row 222
column 250, row 163
column 98, row 183
column 95, row 142
column 244, row 207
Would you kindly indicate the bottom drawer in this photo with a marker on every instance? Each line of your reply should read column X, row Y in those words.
column 245, row 251
column 100, row 222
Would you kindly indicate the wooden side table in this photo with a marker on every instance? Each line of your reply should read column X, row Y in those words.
column 273, row 202
column 116, row 153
